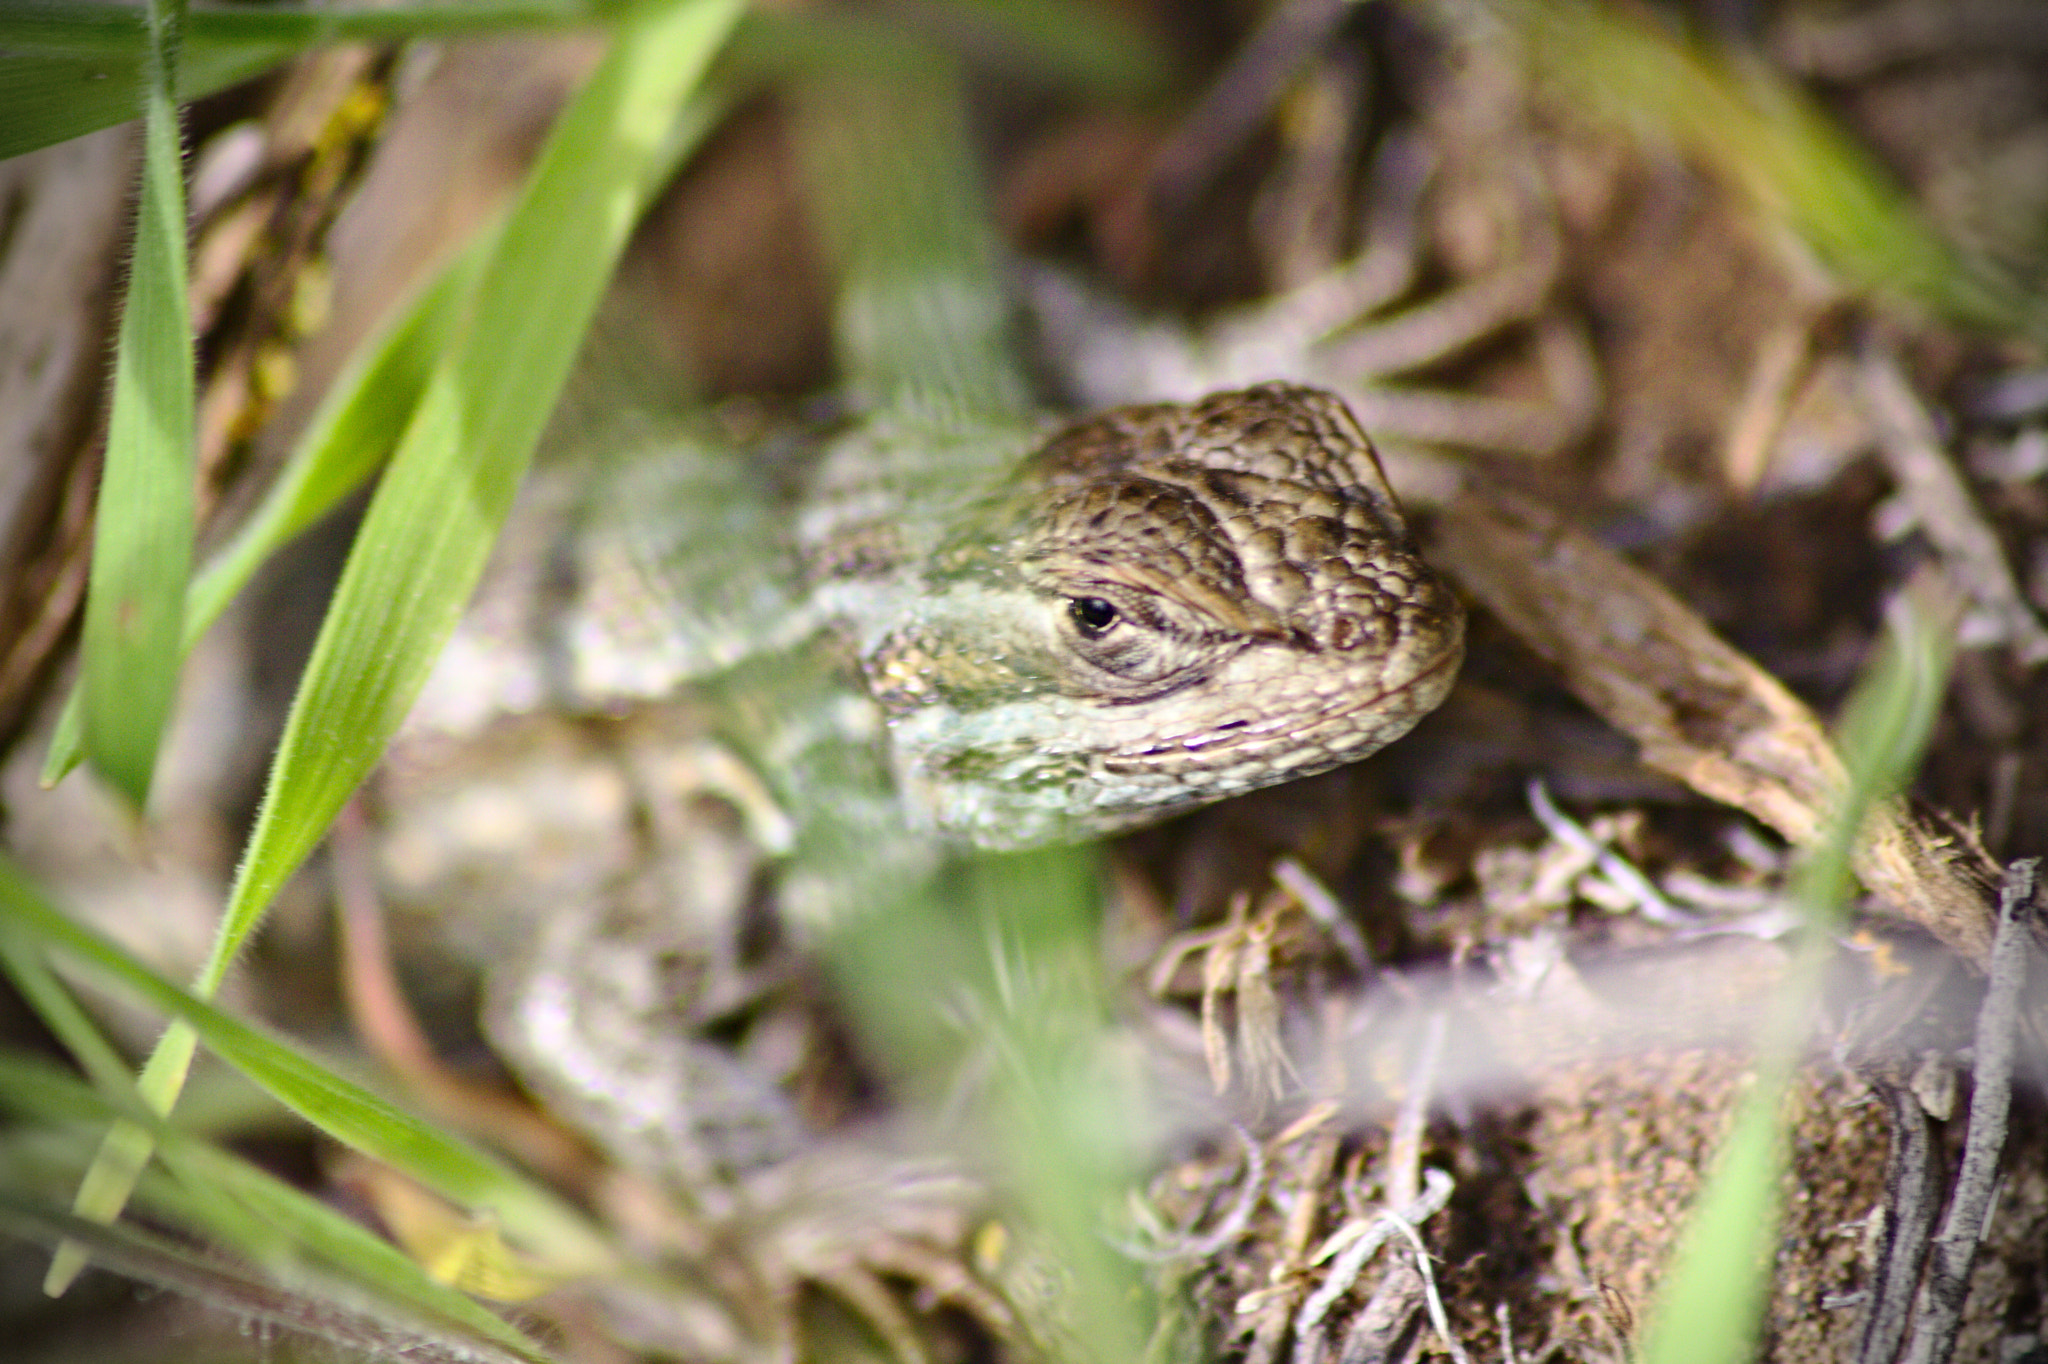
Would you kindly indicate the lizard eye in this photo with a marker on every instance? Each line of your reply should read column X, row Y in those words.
column 1092, row 616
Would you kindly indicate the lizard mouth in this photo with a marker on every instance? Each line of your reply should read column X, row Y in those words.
column 1446, row 662
column 1399, row 707
column 1395, row 708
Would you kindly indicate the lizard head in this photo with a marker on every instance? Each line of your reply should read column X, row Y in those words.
column 1166, row 605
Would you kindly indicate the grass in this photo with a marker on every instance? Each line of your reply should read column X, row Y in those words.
column 461, row 452
column 1759, row 133
column 142, row 550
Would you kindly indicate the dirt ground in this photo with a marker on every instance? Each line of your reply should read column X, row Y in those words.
column 1679, row 380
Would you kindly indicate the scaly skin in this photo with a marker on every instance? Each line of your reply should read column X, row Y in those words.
column 1163, row 606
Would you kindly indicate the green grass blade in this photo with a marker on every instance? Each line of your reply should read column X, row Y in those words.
column 124, row 1152
column 223, row 1198
column 1072, row 47
column 1712, row 1301
column 70, row 67
column 354, row 429
column 923, row 320
column 67, row 1021
column 357, row 424
column 1090, row 45
column 49, row 98
column 311, row 1229
column 143, row 523
column 352, row 432
column 348, row 1330
column 451, row 483
column 1711, row 1304
column 97, row 28
column 38, row 1089
column 142, row 537
column 336, row 1105
column 449, row 487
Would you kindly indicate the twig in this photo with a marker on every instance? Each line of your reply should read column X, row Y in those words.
column 1437, row 1317
column 1315, row 897
column 1619, row 871
column 1229, row 1229
column 1912, row 1185
column 1379, row 1333
column 1359, row 1242
column 1701, row 711
column 1783, row 358
column 1941, row 503
column 1404, row 1143
column 1940, row 1314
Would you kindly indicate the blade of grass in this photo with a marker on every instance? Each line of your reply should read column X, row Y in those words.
column 448, row 489
column 358, row 422
column 46, row 99
column 347, row 440
column 922, row 319
column 61, row 1014
column 1061, row 44
column 342, row 1325
column 98, row 28
column 142, row 536
column 70, row 67
column 313, row 1230
column 223, row 1198
column 451, row 483
column 922, row 333
column 342, row 1109
column 1712, row 1302
column 1092, row 45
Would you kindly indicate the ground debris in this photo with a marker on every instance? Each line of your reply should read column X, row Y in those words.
column 1698, row 708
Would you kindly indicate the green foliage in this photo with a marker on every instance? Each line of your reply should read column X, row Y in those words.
column 346, row 442
column 1757, row 131
column 70, row 67
column 142, row 546
column 464, row 449
column 219, row 1194
column 446, row 402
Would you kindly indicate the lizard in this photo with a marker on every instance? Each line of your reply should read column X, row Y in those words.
column 1149, row 609
column 1056, row 630
column 1053, row 632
